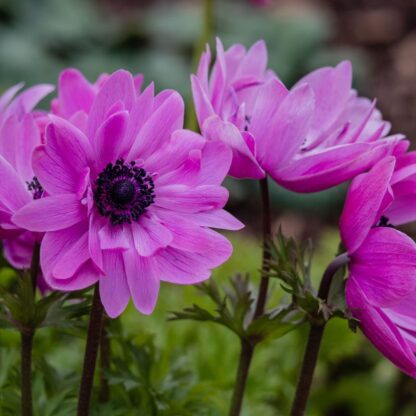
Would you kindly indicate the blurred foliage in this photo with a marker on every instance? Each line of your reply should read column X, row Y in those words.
column 188, row 368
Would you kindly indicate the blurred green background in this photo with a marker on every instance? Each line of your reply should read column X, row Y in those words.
column 186, row 368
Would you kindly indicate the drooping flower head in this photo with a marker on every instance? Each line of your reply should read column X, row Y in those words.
column 19, row 135
column 381, row 286
column 131, row 198
column 312, row 137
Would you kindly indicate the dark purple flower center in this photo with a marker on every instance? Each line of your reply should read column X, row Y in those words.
column 123, row 192
column 384, row 222
column 36, row 188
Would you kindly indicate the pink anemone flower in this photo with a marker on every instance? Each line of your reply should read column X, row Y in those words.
column 19, row 135
column 130, row 200
column 380, row 290
column 315, row 136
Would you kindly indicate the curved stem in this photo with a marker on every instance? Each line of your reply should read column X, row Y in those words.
column 314, row 341
column 91, row 351
column 26, row 372
column 247, row 347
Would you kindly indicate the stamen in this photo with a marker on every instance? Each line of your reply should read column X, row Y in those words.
column 123, row 192
column 36, row 188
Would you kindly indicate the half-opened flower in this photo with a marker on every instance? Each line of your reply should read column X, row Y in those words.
column 19, row 135
column 381, row 286
column 343, row 136
column 130, row 201
column 317, row 135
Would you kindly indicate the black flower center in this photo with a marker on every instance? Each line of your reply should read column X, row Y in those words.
column 123, row 192
column 384, row 222
column 36, row 188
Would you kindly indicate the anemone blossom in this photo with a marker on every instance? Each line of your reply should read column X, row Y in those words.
column 131, row 198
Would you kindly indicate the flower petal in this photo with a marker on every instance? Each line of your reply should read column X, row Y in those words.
column 51, row 213
column 379, row 329
column 114, row 291
column 384, row 266
column 143, row 280
column 363, row 202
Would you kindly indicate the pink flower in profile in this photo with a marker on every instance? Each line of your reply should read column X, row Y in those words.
column 19, row 135
column 315, row 136
column 381, row 286
column 131, row 200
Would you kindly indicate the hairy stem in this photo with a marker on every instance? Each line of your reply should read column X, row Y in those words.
column 247, row 347
column 314, row 341
column 26, row 373
column 34, row 266
column 105, row 351
column 91, row 351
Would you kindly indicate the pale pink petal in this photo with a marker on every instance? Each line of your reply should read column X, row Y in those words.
column 114, row 237
column 203, row 106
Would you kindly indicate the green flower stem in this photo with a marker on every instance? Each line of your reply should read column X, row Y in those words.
column 91, row 352
column 26, row 372
column 314, row 341
column 248, row 346
column 105, row 352
column 26, row 337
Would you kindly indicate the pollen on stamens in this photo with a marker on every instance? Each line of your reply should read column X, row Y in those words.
column 123, row 191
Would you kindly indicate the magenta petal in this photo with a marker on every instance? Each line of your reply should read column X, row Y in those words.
column 362, row 204
column 157, row 130
column 118, row 87
column 62, row 165
column 379, row 329
column 288, row 130
column 203, row 106
column 51, row 213
column 182, row 198
column 114, row 291
column 216, row 219
column 13, row 191
column 150, row 235
column 75, row 93
column 114, row 237
column 72, row 259
column 94, row 246
column 143, row 280
column 109, row 138
column 384, row 266
column 244, row 164
column 84, row 277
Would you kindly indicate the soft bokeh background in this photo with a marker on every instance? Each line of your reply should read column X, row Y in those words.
column 186, row 368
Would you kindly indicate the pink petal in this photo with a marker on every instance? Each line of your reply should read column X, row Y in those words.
column 288, row 130
column 51, row 213
column 143, row 280
column 216, row 219
column 75, row 93
column 379, row 329
column 182, row 198
column 114, row 291
column 363, row 202
column 72, row 259
column 114, row 237
column 255, row 61
column 244, row 164
column 157, row 130
column 109, row 138
column 150, row 235
column 13, row 190
column 118, row 87
column 62, row 164
column 94, row 246
column 203, row 106
column 384, row 266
